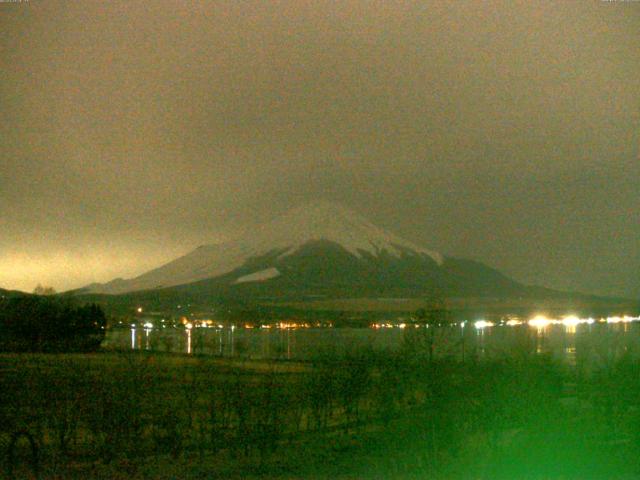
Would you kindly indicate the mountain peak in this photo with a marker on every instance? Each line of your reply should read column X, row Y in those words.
column 287, row 234
column 333, row 222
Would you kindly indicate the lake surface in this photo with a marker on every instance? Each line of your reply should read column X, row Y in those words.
column 584, row 344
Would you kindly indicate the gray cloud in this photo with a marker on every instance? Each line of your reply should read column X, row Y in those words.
column 506, row 131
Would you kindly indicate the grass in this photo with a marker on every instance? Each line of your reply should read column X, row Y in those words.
column 366, row 415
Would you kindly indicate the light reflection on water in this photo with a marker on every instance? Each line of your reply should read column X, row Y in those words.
column 593, row 343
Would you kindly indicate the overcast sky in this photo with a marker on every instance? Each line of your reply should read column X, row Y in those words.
column 504, row 131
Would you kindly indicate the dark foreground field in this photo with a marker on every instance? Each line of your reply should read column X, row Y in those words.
column 109, row 415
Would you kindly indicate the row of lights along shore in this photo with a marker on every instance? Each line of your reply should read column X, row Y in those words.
column 539, row 321
column 189, row 325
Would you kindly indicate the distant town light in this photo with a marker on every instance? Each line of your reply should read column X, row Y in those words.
column 571, row 321
column 540, row 321
column 624, row 319
column 480, row 324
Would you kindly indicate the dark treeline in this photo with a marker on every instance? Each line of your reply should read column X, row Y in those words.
column 364, row 415
column 49, row 323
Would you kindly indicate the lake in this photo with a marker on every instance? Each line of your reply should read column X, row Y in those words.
column 572, row 341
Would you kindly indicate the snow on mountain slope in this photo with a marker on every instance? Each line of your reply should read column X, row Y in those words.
column 260, row 276
column 327, row 221
column 286, row 234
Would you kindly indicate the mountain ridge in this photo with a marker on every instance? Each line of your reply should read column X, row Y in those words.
column 321, row 250
column 285, row 234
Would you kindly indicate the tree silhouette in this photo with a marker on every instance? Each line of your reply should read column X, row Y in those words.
column 49, row 323
column 40, row 290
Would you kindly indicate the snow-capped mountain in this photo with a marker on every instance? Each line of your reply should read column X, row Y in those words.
column 286, row 235
column 320, row 248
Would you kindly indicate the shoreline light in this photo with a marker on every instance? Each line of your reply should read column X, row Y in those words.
column 480, row 324
column 623, row 319
column 540, row 321
column 572, row 321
